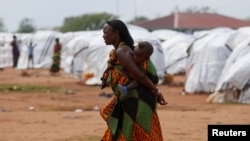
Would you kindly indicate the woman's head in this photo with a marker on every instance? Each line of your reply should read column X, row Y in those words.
column 117, row 31
column 57, row 39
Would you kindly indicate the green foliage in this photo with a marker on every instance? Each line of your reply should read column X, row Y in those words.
column 204, row 9
column 2, row 29
column 248, row 18
column 86, row 22
column 194, row 9
column 26, row 26
column 138, row 19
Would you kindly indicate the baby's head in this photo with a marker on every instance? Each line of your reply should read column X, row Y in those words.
column 143, row 51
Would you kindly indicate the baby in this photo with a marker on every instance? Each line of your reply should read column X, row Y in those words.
column 142, row 52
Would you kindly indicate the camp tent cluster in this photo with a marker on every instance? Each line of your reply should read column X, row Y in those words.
column 215, row 61
column 83, row 52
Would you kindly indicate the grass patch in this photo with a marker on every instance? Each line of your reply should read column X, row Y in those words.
column 27, row 88
column 58, row 108
column 64, row 108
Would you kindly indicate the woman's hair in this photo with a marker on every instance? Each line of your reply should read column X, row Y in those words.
column 57, row 39
column 123, row 31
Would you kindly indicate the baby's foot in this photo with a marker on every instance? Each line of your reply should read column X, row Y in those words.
column 123, row 89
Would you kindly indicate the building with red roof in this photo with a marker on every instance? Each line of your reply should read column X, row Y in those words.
column 193, row 21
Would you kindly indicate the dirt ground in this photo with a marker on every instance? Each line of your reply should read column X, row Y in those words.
column 71, row 113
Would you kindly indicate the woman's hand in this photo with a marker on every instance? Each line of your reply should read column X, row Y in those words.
column 159, row 97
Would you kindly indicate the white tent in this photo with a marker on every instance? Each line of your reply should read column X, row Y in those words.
column 175, row 52
column 84, row 55
column 5, row 50
column 239, row 43
column 74, row 55
column 97, row 57
column 206, row 61
column 236, row 73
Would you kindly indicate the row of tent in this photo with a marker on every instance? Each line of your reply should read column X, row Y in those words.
column 213, row 60
column 218, row 63
column 83, row 51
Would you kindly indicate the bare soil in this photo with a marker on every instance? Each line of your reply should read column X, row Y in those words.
column 71, row 112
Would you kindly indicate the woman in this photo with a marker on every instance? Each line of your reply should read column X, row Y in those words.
column 55, row 67
column 15, row 51
column 131, row 117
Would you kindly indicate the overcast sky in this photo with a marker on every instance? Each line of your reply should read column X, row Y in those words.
column 51, row 13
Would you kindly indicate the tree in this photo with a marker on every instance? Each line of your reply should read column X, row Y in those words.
column 194, row 9
column 204, row 9
column 2, row 29
column 86, row 22
column 138, row 19
column 26, row 26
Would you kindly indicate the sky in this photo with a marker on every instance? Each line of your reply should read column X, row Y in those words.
column 51, row 13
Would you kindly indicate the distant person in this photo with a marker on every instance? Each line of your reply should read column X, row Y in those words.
column 142, row 53
column 55, row 67
column 15, row 51
column 31, row 47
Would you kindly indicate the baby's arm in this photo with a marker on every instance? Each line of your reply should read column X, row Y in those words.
column 133, row 84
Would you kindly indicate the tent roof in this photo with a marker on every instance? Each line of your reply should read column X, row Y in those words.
column 193, row 21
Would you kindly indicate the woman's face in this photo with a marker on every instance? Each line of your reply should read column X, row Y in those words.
column 109, row 35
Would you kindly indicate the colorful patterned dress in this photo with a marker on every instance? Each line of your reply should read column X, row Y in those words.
column 131, row 117
column 55, row 67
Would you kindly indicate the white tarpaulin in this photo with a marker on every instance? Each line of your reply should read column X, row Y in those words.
column 175, row 52
column 75, row 51
column 207, row 59
column 236, row 69
column 5, row 50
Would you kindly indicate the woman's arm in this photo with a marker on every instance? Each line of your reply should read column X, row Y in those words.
column 125, row 57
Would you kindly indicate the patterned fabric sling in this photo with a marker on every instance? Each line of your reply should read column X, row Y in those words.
column 131, row 117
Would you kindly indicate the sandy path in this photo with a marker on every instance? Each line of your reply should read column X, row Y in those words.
column 54, row 117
